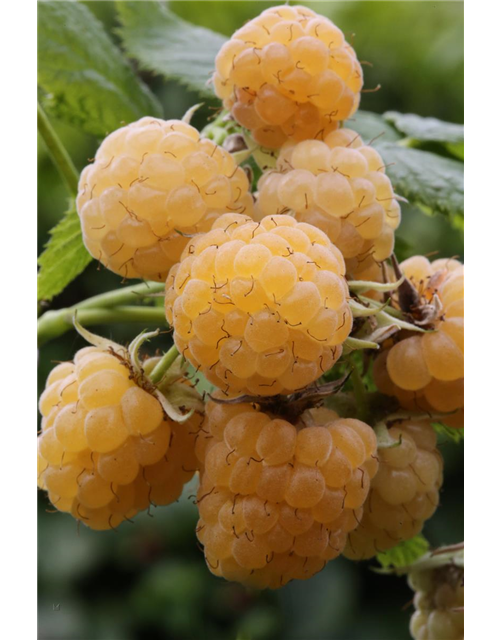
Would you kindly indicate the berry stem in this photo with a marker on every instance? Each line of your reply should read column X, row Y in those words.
column 217, row 134
column 54, row 323
column 164, row 365
column 58, row 152
column 126, row 295
column 220, row 128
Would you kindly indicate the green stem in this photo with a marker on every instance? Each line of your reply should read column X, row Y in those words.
column 54, row 323
column 359, row 391
column 164, row 365
column 220, row 128
column 58, row 152
column 125, row 295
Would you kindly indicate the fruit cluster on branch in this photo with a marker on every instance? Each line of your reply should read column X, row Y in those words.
column 266, row 294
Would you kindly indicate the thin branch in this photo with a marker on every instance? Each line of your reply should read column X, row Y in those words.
column 58, row 152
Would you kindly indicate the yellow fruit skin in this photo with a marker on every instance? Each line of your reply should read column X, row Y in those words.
column 439, row 603
column 288, row 74
column 339, row 185
column 104, row 464
column 435, row 380
column 259, row 307
column 153, row 183
column 277, row 498
column 403, row 494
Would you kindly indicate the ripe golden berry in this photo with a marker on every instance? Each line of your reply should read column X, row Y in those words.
column 259, row 307
column 426, row 372
column 439, row 603
column 106, row 450
column 151, row 180
column 339, row 185
column 403, row 494
column 277, row 498
column 288, row 74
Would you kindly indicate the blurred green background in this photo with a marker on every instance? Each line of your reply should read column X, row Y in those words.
column 149, row 580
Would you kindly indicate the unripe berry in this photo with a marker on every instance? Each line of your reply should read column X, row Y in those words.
column 153, row 181
column 272, row 507
column 403, row 494
column 288, row 74
column 259, row 307
column 106, row 450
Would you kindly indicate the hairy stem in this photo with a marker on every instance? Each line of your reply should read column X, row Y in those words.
column 164, row 365
column 125, row 295
column 58, row 152
column 54, row 323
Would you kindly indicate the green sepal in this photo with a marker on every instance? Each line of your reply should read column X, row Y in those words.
column 97, row 341
column 367, row 285
column 179, row 401
column 134, row 348
column 384, row 439
column 361, row 311
column 264, row 158
column 353, row 344
column 190, row 112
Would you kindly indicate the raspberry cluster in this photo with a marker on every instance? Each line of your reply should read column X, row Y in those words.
column 403, row 494
column 426, row 371
column 439, row 603
column 152, row 183
column 288, row 74
column 278, row 498
column 257, row 295
column 106, row 450
column 339, row 185
column 259, row 307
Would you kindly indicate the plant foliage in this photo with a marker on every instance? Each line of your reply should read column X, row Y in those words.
column 64, row 257
column 164, row 44
column 84, row 77
column 405, row 553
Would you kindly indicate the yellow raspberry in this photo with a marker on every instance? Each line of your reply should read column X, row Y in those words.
column 288, row 74
column 259, row 307
column 404, row 493
column 439, row 603
column 153, row 181
column 340, row 186
column 106, row 449
column 278, row 496
column 426, row 371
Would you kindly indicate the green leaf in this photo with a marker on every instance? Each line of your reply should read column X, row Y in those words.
column 167, row 45
column 425, row 129
column 456, row 149
column 64, row 258
column 404, row 553
column 446, row 433
column 84, row 76
column 434, row 183
column 372, row 126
